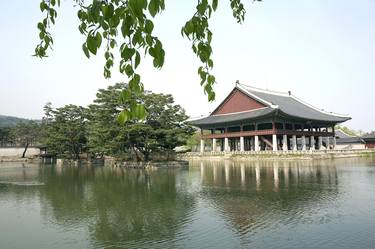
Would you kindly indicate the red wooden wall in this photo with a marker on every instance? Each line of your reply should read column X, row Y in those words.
column 237, row 101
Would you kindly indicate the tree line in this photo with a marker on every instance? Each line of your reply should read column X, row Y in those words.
column 95, row 131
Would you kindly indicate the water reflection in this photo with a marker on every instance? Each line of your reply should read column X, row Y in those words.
column 119, row 206
column 254, row 195
column 213, row 204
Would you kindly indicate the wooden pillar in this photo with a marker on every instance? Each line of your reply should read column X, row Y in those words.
column 214, row 144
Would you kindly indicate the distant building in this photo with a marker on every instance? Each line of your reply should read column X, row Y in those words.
column 369, row 140
column 345, row 141
column 252, row 119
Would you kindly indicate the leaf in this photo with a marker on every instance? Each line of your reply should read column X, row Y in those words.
column 41, row 26
column 98, row 39
column 189, row 27
column 91, row 44
column 149, row 26
column 125, row 95
column 214, row 4
column 127, row 53
column 129, row 70
column 139, row 112
column 137, row 59
column 123, row 116
column 153, row 7
column 108, row 10
column 85, row 50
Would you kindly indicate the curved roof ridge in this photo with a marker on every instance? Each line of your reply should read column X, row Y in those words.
column 284, row 94
column 340, row 129
column 197, row 118
column 318, row 109
column 255, row 96
column 257, row 89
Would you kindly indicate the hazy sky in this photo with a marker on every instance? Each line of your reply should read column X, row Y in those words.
column 323, row 51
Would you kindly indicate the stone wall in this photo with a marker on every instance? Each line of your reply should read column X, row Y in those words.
column 16, row 152
column 277, row 155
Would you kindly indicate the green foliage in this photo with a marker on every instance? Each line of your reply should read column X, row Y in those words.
column 194, row 140
column 23, row 133
column 6, row 137
column 26, row 134
column 66, row 132
column 163, row 129
column 127, row 25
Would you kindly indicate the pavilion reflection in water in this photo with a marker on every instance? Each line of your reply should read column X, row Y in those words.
column 250, row 195
column 265, row 173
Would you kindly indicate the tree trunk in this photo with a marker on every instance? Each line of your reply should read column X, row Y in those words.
column 24, row 151
column 137, row 157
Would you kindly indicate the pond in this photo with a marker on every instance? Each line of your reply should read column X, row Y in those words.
column 217, row 204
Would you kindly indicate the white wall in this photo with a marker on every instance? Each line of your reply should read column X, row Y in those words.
column 356, row 146
column 17, row 152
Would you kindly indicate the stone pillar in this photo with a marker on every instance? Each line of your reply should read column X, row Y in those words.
column 202, row 145
column 303, row 143
column 226, row 144
column 285, row 143
column 252, row 147
column 242, row 144
column 274, row 142
column 312, row 143
column 294, row 143
column 214, row 144
column 256, row 143
column 320, row 143
column 327, row 143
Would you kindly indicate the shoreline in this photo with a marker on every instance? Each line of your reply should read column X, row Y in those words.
column 178, row 162
column 278, row 155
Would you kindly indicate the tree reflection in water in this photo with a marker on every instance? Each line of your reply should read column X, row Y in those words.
column 119, row 206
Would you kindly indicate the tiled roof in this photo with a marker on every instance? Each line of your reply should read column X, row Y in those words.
column 274, row 101
column 227, row 118
column 341, row 134
column 350, row 140
column 293, row 106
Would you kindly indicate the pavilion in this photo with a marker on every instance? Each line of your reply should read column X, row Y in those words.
column 253, row 119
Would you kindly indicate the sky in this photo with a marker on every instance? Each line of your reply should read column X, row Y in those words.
column 322, row 51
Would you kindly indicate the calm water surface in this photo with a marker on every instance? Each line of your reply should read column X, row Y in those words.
column 222, row 204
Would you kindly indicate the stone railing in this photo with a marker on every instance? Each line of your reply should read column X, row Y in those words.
column 279, row 152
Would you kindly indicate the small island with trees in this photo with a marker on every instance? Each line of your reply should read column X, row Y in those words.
column 75, row 133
